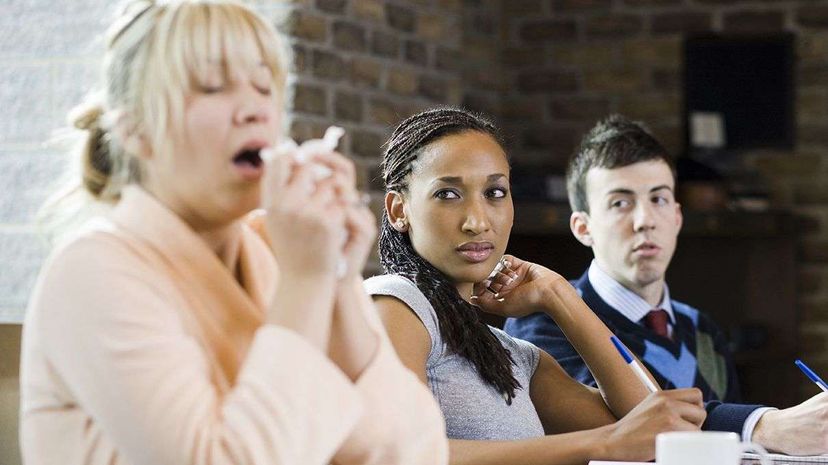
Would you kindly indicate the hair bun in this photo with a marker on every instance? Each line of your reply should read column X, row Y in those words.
column 87, row 117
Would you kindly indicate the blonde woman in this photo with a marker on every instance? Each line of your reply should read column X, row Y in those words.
column 160, row 334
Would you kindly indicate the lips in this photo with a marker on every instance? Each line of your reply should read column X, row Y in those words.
column 646, row 249
column 476, row 252
column 247, row 162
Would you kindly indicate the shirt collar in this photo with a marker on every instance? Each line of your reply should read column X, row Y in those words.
column 625, row 301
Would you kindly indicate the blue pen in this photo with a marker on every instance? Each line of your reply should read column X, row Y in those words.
column 810, row 374
column 636, row 368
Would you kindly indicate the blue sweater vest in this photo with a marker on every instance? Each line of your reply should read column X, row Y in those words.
column 697, row 356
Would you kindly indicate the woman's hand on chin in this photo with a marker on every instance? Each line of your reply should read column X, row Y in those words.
column 519, row 289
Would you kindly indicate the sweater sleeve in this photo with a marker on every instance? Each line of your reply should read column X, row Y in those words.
column 113, row 334
column 727, row 417
column 541, row 330
column 402, row 423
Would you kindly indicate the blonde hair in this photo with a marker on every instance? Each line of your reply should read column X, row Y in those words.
column 155, row 52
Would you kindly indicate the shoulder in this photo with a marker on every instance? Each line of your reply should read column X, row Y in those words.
column 408, row 318
column 524, row 353
column 401, row 292
column 93, row 273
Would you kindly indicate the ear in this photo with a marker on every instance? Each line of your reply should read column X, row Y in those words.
column 132, row 140
column 679, row 217
column 395, row 209
column 579, row 225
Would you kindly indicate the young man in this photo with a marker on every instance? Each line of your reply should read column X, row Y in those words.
column 621, row 186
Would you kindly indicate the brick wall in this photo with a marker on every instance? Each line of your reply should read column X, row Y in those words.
column 568, row 62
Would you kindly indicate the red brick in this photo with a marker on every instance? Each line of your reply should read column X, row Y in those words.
column 666, row 80
column 808, row 281
column 300, row 59
column 616, row 80
column 812, row 76
column 400, row 18
column 371, row 10
column 301, row 130
column 650, row 106
column 433, row 88
column 486, row 103
column 310, row 99
column 613, row 26
column 309, row 27
column 331, row 6
column 813, row 134
column 812, row 48
column 402, row 81
column 813, row 251
column 447, row 59
column 547, row 81
column 439, row 28
column 327, row 65
column 522, row 109
column 365, row 72
column 681, row 23
column 548, row 30
column 587, row 109
column 367, row 143
column 349, row 36
column 385, row 44
column 521, row 57
column 383, row 111
column 642, row 3
column 348, row 106
column 580, row 5
column 754, row 21
column 663, row 52
column 415, row 52
column 582, row 55
column 811, row 194
column 812, row 16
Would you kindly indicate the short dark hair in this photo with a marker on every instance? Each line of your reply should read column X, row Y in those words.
column 613, row 142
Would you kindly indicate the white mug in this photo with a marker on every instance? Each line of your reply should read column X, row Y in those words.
column 704, row 448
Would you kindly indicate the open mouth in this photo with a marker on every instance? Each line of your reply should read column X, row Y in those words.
column 248, row 158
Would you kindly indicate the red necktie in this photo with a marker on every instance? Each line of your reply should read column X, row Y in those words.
column 656, row 320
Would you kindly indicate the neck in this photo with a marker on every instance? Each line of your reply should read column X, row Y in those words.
column 221, row 239
column 652, row 293
column 465, row 290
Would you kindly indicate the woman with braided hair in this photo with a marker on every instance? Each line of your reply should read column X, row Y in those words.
column 448, row 216
column 159, row 332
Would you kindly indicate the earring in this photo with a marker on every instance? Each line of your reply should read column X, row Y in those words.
column 400, row 225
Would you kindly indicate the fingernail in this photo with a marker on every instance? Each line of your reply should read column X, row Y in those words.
column 474, row 297
column 510, row 281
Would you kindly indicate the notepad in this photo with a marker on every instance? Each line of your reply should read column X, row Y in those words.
column 782, row 458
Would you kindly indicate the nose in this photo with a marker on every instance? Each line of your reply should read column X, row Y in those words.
column 253, row 107
column 644, row 217
column 476, row 220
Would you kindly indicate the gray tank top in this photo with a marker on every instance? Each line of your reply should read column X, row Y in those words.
column 473, row 409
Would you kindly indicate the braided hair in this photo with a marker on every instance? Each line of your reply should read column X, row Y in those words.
column 460, row 323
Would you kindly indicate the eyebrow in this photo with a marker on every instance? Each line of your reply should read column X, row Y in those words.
column 459, row 179
column 625, row 191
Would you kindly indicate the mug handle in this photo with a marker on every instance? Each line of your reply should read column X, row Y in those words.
column 764, row 459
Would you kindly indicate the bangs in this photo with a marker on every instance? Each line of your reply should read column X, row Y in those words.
column 191, row 39
column 204, row 36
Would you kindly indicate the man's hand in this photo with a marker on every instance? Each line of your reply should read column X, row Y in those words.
column 799, row 430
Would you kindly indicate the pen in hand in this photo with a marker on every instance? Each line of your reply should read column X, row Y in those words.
column 810, row 374
column 636, row 368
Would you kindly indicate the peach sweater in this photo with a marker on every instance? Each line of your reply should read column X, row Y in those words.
column 140, row 347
